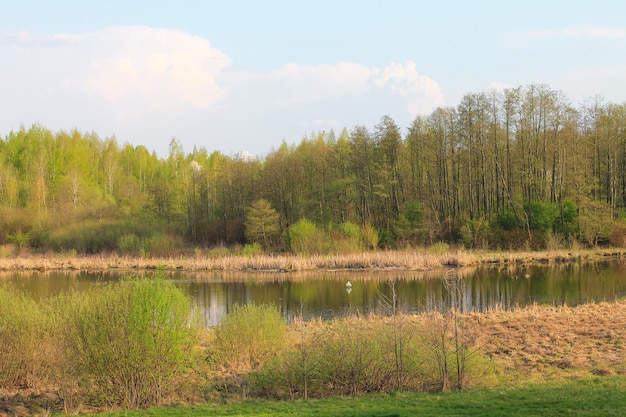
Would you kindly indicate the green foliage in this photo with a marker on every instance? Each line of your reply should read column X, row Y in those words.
column 130, row 243
column 596, row 223
column 474, row 233
column 19, row 239
column 507, row 221
column 350, row 230
column 409, row 222
column 219, row 252
column 249, row 336
column 262, row 224
column 543, row 215
column 353, row 356
column 24, row 341
column 162, row 245
column 305, row 239
column 71, row 190
column 438, row 248
column 566, row 222
column 347, row 238
column 370, row 237
column 354, row 359
column 127, row 343
column 253, row 249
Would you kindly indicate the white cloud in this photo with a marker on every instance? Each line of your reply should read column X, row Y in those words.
column 156, row 69
column 160, row 68
column 147, row 85
column 295, row 84
column 420, row 93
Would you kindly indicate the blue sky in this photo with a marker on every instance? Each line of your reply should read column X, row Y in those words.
column 233, row 75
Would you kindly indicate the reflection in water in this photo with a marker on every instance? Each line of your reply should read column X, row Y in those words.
column 326, row 294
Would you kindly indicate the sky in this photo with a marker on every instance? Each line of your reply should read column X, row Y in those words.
column 244, row 75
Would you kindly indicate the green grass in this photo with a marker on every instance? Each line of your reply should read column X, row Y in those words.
column 601, row 396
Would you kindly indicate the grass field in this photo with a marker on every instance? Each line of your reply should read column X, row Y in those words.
column 599, row 396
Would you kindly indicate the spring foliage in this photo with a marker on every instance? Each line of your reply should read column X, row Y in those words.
column 502, row 169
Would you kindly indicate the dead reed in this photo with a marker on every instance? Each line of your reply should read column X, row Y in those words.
column 417, row 259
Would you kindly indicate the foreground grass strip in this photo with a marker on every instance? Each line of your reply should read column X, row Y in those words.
column 602, row 396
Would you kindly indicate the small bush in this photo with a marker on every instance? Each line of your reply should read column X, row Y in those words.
column 130, row 244
column 249, row 336
column 163, row 245
column 219, row 252
column 24, row 347
column 306, row 239
column 370, row 237
column 252, row 249
column 439, row 248
column 346, row 238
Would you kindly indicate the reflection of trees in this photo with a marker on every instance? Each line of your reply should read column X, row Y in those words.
column 322, row 294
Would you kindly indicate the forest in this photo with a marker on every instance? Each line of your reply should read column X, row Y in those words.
column 521, row 168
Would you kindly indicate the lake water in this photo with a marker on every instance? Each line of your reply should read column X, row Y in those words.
column 324, row 294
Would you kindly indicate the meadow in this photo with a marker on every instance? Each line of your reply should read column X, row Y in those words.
column 581, row 397
column 136, row 347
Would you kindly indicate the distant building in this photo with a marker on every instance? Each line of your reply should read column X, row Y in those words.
column 245, row 156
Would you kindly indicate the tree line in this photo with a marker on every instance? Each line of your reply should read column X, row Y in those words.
column 510, row 169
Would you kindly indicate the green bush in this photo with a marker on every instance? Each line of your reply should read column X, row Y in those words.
column 370, row 237
column 306, row 239
column 130, row 244
column 128, row 343
column 438, row 248
column 346, row 238
column 24, row 349
column 162, row 245
column 252, row 249
column 350, row 230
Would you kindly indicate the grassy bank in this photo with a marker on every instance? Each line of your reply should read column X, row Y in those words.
column 417, row 259
column 101, row 350
column 604, row 396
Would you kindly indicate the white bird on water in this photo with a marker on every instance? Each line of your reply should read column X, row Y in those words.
column 348, row 284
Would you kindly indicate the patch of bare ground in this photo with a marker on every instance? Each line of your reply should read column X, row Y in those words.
column 546, row 342
column 29, row 403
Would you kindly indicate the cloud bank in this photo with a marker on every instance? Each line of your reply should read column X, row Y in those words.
column 146, row 85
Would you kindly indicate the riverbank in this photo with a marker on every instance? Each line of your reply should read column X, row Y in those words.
column 539, row 348
column 415, row 260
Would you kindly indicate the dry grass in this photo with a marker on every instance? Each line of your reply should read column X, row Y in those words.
column 541, row 342
column 419, row 259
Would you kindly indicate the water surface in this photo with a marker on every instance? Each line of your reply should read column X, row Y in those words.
column 324, row 294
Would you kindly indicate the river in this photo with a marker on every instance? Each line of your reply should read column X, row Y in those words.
column 325, row 294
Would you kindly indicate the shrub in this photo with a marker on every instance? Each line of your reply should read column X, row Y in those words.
column 353, row 358
column 249, row 336
column 350, row 230
column 130, row 244
column 219, row 252
column 253, row 249
column 306, row 239
column 24, row 349
column 347, row 238
column 439, row 248
column 162, row 245
column 127, row 343
column 370, row 237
